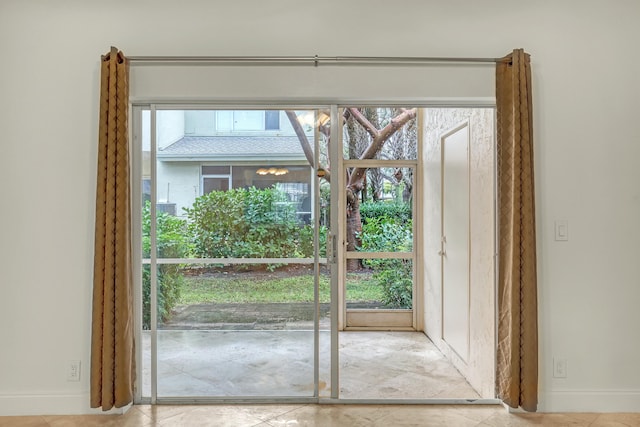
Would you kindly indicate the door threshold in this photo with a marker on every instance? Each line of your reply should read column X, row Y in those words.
column 443, row 401
column 311, row 400
column 380, row 328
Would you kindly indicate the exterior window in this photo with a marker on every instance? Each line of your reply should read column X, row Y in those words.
column 296, row 191
column 215, row 178
column 214, row 184
column 215, row 170
column 248, row 120
column 272, row 120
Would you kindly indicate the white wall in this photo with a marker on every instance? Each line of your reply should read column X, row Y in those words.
column 586, row 95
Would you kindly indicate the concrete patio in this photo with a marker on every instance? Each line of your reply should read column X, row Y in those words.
column 279, row 363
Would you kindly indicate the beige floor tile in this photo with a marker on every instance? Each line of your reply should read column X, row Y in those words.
column 326, row 415
column 84, row 420
column 506, row 419
column 133, row 418
column 477, row 413
column 33, row 421
column 330, row 415
column 218, row 415
column 430, row 415
column 617, row 420
column 386, row 415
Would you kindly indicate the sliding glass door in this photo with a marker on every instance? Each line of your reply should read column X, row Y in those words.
column 235, row 286
column 295, row 254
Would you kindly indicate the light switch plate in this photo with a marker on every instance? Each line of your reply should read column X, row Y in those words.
column 562, row 230
column 559, row 368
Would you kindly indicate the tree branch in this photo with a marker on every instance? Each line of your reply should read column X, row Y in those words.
column 386, row 132
column 302, row 137
column 304, row 141
column 377, row 143
column 364, row 122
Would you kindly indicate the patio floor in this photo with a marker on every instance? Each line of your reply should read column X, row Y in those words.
column 279, row 363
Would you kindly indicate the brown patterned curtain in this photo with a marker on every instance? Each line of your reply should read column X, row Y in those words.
column 517, row 353
column 112, row 346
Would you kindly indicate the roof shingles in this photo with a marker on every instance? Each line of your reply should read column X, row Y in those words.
column 234, row 146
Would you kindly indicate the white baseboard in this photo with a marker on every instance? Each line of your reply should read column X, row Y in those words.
column 51, row 404
column 590, row 401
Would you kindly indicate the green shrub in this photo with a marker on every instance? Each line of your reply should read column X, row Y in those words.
column 272, row 227
column 249, row 223
column 400, row 212
column 386, row 234
column 395, row 276
column 171, row 242
column 305, row 241
column 215, row 222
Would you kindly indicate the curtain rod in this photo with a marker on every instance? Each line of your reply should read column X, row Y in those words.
column 315, row 60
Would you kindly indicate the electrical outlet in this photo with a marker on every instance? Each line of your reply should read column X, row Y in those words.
column 559, row 368
column 73, row 370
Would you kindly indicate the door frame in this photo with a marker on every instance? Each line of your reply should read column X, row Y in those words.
column 381, row 319
column 337, row 268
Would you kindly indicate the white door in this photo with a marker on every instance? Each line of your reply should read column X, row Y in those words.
column 455, row 240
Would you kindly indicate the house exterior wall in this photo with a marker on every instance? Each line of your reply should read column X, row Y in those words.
column 585, row 90
column 170, row 127
column 206, row 123
column 180, row 182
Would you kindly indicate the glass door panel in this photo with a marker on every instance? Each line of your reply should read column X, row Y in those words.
column 233, row 231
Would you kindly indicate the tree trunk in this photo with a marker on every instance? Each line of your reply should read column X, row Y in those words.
column 374, row 139
column 354, row 228
column 356, row 178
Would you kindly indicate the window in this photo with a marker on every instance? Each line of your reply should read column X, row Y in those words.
column 247, row 120
column 272, row 120
column 215, row 178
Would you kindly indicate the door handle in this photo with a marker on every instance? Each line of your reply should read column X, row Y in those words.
column 443, row 241
column 332, row 248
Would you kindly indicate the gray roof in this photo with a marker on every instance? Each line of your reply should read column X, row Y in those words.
column 233, row 148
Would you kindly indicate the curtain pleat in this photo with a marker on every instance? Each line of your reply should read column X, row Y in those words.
column 517, row 351
column 112, row 343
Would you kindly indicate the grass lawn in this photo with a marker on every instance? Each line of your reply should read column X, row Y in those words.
column 267, row 288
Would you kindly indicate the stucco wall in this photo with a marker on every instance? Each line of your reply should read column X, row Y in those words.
column 479, row 367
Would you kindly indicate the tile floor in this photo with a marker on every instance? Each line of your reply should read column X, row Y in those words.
column 418, row 367
column 325, row 415
column 373, row 365
column 397, row 365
